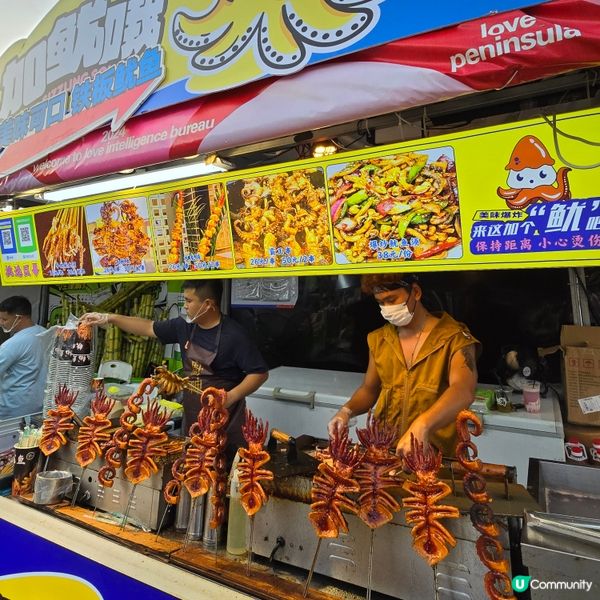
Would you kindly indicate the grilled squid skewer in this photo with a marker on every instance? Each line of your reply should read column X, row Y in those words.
column 331, row 484
column 58, row 422
column 147, row 444
column 430, row 538
column 251, row 460
column 93, row 434
column 497, row 582
column 376, row 505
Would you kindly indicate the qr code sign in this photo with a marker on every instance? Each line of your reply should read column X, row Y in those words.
column 7, row 240
column 25, row 235
column 590, row 404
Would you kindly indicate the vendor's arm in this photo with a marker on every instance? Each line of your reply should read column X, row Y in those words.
column 133, row 325
column 247, row 386
column 363, row 399
column 459, row 395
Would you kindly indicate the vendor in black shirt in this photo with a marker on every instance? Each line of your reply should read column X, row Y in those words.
column 216, row 352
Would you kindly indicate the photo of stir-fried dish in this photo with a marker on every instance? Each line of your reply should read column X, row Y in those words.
column 119, row 233
column 280, row 220
column 400, row 207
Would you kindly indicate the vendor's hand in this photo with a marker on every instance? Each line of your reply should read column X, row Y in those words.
column 230, row 400
column 95, row 318
column 340, row 421
column 421, row 434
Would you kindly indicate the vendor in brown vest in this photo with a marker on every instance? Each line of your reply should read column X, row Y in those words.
column 421, row 370
column 216, row 352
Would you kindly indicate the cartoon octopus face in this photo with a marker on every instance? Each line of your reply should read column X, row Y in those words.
column 532, row 177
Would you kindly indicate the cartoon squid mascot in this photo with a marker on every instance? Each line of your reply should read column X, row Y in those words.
column 532, row 177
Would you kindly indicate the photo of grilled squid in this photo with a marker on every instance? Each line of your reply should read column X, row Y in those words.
column 399, row 207
column 280, row 219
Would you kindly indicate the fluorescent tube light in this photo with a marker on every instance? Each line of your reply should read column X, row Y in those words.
column 132, row 181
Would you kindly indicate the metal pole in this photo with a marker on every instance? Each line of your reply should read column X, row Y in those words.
column 579, row 301
column 74, row 499
column 162, row 520
column 129, row 504
column 370, row 570
column 250, row 545
column 312, row 568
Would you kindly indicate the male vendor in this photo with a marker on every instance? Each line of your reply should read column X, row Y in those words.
column 216, row 352
column 421, row 370
column 23, row 364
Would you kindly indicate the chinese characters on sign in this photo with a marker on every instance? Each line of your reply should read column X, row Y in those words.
column 413, row 205
column 81, row 45
column 548, row 227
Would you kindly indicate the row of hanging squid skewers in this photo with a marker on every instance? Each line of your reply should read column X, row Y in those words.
column 370, row 471
column 351, row 478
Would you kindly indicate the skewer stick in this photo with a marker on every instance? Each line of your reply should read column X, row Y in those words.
column 370, row 569
column 436, row 594
column 46, row 463
column 162, row 520
column 188, row 532
column 129, row 504
column 96, row 500
column 312, row 568
column 78, row 487
column 250, row 544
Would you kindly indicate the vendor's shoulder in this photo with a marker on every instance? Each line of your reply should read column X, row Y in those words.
column 448, row 327
column 381, row 332
column 230, row 325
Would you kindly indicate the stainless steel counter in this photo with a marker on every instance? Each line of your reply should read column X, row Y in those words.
column 561, row 546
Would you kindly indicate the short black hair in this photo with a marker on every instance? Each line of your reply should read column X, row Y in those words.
column 378, row 282
column 205, row 288
column 16, row 305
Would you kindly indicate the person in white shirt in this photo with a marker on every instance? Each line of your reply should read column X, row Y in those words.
column 23, row 363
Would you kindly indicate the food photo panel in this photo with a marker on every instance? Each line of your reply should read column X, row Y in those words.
column 63, row 242
column 119, row 235
column 395, row 208
column 190, row 228
column 280, row 220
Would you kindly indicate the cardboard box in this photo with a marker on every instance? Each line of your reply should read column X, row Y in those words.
column 581, row 348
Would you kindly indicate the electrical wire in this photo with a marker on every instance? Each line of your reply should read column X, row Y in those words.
column 588, row 295
column 555, row 133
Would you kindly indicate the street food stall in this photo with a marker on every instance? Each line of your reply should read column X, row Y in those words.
column 113, row 471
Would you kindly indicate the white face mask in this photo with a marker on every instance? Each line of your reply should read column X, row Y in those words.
column 17, row 317
column 199, row 313
column 397, row 314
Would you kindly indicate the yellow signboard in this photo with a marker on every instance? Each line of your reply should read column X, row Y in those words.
column 526, row 195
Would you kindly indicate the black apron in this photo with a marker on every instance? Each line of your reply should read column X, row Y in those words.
column 197, row 366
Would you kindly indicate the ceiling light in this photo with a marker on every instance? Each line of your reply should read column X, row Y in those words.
column 222, row 163
column 132, row 181
column 324, row 149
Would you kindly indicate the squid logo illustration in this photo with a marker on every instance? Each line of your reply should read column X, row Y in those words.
column 532, row 176
column 280, row 35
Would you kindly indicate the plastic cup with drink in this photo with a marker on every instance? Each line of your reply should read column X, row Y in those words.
column 531, row 396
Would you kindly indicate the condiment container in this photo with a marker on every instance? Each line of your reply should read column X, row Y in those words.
column 52, row 486
column 237, row 519
column 183, row 515
column 595, row 452
column 575, row 452
column 210, row 537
